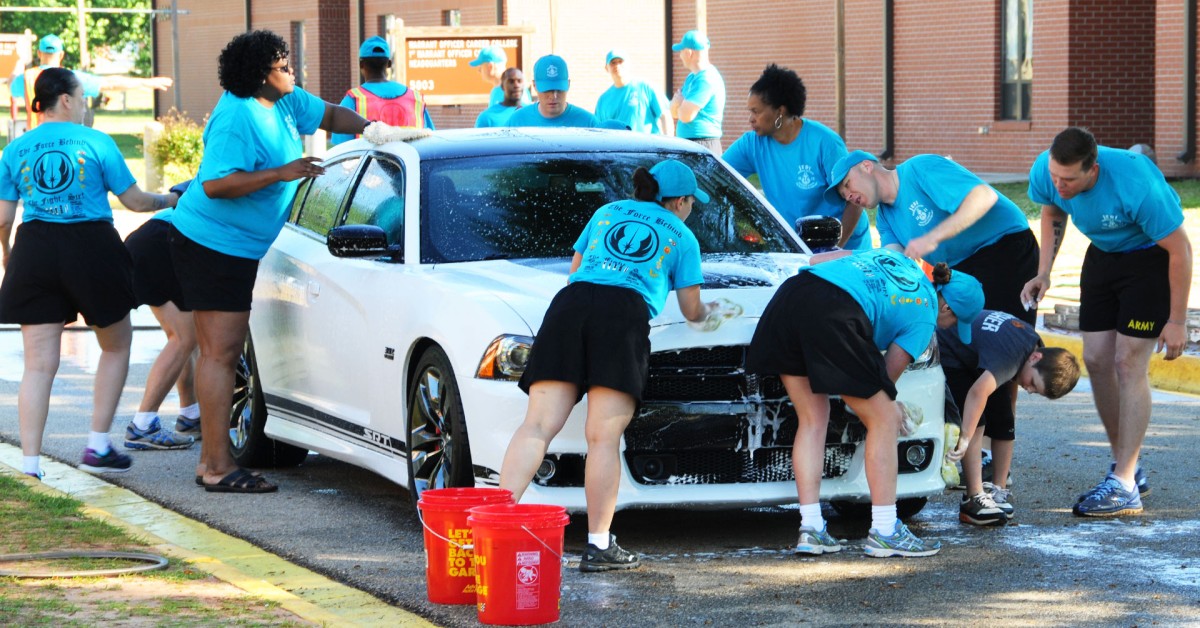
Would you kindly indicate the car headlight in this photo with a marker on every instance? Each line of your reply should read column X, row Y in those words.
column 929, row 358
column 505, row 358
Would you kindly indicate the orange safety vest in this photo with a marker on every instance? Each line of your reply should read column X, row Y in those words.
column 406, row 110
column 31, row 76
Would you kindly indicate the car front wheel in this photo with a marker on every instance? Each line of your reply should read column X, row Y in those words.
column 247, row 416
column 438, row 451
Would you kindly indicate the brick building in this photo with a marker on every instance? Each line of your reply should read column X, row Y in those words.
column 981, row 81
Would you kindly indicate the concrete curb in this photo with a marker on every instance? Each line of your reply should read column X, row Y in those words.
column 1179, row 375
column 304, row 593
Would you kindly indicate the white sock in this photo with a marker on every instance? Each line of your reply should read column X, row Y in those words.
column 599, row 540
column 1128, row 486
column 31, row 464
column 98, row 442
column 810, row 516
column 190, row 412
column 883, row 519
column 142, row 420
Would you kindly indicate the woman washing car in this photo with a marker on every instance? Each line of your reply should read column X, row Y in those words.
column 595, row 340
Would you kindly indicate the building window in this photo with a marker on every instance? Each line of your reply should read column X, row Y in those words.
column 452, row 17
column 1016, row 80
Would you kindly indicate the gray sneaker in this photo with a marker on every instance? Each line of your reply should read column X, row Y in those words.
column 1002, row 497
column 980, row 510
column 155, row 437
column 187, row 427
column 818, row 542
column 595, row 559
column 900, row 542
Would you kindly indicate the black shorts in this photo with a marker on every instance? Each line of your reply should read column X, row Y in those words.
column 58, row 271
column 1003, row 267
column 154, row 280
column 814, row 329
column 593, row 335
column 1128, row 292
column 211, row 280
column 998, row 419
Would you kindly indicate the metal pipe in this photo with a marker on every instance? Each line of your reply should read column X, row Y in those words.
column 889, row 82
column 1189, row 84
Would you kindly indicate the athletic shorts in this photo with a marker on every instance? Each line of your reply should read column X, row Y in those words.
column 814, row 329
column 58, row 271
column 154, row 280
column 211, row 280
column 593, row 335
column 1003, row 267
column 1126, row 292
column 998, row 419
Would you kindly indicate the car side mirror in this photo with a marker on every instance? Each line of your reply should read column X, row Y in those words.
column 820, row 233
column 357, row 241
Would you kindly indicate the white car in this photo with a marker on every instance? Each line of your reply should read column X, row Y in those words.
column 394, row 313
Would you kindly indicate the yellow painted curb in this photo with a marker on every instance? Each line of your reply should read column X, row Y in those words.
column 1180, row 375
column 302, row 592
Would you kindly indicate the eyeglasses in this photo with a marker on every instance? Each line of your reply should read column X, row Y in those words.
column 286, row 69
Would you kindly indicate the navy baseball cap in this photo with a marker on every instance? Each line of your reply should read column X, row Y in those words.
column 491, row 54
column 964, row 295
column 692, row 40
column 840, row 170
column 550, row 74
column 50, row 44
column 675, row 179
column 375, row 48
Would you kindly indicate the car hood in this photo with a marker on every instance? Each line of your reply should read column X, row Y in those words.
column 528, row 285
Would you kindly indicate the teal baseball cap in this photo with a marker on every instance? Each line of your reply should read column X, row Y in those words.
column 692, row 40
column 550, row 74
column 840, row 170
column 50, row 44
column 675, row 179
column 375, row 48
column 614, row 54
column 490, row 54
column 964, row 295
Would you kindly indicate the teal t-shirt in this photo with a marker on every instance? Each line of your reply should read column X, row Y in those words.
column 63, row 172
column 931, row 189
column 636, row 105
column 244, row 136
column 573, row 116
column 641, row 246
column 385, row 89
column 705, row 88
column 794, row 176
column 897, row 298
column 496, row 115
column 497, row 96
column 1131, row 206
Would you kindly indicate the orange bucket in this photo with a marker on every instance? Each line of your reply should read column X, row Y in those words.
column 449, row 547
column 518, row 558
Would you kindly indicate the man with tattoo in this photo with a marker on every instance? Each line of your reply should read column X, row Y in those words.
column 1133, row 289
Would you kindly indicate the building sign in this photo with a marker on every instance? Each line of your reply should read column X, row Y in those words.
column 436, row 61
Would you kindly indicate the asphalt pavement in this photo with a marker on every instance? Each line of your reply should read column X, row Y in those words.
column 1048, row 568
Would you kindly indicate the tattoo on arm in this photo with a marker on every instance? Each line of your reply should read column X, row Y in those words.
column 160, row 201
column 1060, row 228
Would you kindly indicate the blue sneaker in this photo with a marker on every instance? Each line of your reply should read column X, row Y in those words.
column 188, row 427
column 111, row 462
column 900, row 543
column 1139, row 476
column 155, row 437
column 817, row 542
column 1109, row 499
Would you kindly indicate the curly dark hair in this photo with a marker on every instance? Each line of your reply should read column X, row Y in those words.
column 781, row 87
column 246, row 61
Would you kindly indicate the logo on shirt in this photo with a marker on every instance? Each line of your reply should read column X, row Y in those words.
column 52, row 172
column 805, row 178
column 920, row 213
column 900, row 274
column 291, row 126
column 1111, row 221
column 632, row 241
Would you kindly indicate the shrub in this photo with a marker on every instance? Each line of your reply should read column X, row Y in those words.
column 178, row 150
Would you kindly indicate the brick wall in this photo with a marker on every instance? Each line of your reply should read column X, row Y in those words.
column 1112, row 69
column 202, row 33
column 333, row 41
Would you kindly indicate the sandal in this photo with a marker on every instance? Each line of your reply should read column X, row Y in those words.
column 242, row 481
column 200, row 478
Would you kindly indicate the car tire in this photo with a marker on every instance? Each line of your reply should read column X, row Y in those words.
column 247, row 417
column 439, row 453
column 905, row 508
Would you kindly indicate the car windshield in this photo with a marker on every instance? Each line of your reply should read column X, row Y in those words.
column 536, row 205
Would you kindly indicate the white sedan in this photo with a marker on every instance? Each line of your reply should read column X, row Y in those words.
column 394, row 313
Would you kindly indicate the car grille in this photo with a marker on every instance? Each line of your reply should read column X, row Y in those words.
column 729, row 467
column 708, row 374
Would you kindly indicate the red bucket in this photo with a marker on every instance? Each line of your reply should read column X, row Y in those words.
column 518, row 562
column 449, row 557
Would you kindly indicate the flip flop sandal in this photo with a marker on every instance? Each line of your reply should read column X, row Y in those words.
column 200, row 478
column 241, row 481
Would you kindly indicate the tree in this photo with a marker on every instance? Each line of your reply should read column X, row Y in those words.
column 115, row 31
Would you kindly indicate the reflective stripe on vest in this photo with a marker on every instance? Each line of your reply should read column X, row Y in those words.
column 407, row 110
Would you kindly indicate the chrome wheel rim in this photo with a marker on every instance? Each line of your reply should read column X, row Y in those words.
column 241, row 412
column 431, row 441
